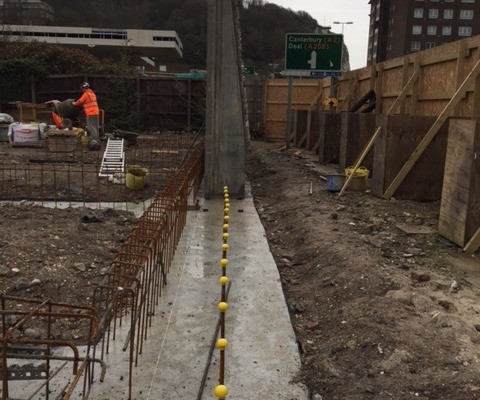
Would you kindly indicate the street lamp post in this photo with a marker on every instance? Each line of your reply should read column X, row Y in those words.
column 333, row 84
column 343, row 24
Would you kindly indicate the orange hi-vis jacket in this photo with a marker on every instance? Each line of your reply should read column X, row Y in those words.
column 89, row 103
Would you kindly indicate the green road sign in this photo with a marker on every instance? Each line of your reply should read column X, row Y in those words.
column 249, row 70
column 312, row 54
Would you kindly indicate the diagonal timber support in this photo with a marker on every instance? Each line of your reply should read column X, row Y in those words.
column 365, row 151
column 469, row 80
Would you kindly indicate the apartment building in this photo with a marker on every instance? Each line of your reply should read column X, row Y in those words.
column 400, row 27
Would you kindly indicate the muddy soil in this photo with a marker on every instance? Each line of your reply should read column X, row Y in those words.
column 382, row 306
column 58, row 255
column 64, row 251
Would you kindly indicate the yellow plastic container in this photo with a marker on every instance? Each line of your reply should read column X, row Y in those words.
column 361, row 171
column 85, row 140
column 136, row 177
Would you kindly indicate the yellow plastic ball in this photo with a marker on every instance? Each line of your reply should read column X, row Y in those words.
column 225, row 226
column 220, row 391
column 223, row 280
column 225, row 247
column 226, row 218
column 225, row 236
column 226, row 210
column 223, row 262
column 222, row 344
column 222, row 306
column 225, row 187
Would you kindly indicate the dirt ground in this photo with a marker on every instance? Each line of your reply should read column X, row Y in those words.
column 58, row 254
column 379, row 313
column 382, row 306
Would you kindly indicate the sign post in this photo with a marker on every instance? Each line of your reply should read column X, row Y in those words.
column 288, row 131
column 313, row 54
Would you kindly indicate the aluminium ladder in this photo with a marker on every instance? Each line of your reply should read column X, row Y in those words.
column 113, row 159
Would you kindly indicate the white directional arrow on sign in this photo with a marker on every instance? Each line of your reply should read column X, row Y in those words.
column 313, row 60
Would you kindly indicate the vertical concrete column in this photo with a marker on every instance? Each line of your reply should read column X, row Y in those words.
column 225, row 125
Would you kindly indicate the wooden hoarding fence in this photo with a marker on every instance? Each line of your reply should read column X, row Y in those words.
column 428, row 96
column 169, row 102
column 433, row 130
column 397, row 102
column 304, row 92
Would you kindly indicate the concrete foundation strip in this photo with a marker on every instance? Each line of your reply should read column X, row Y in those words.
column 212, row 348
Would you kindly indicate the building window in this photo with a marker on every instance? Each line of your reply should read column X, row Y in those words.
column 449, row 1
column 447, row 14
column 415, row 46
column 431, row 30
column 418, row 13
column 429, row 45
column 466, row 14
column 417, row 29
column 446, row 30
column 433, row 13
column 464, row 31
column 433, row 1
column 468, row 1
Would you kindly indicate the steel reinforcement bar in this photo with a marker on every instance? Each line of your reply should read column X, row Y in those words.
column 32, row 331
column 129, row 292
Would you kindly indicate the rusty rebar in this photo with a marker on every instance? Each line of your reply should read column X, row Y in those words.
column 140, row 268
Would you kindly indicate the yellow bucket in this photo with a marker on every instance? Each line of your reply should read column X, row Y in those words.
column 361, row 171
column 85, row 140
column 136, row 177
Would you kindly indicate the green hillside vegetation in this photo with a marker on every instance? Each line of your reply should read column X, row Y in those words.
column 263, row 29
column 263, row 25
column 20, row 62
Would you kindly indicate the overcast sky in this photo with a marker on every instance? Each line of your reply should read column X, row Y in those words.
column 328, row 11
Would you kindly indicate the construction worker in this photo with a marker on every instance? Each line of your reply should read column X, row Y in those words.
column 90, row 106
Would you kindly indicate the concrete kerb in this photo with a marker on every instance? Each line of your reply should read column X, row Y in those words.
column 262, row 358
